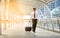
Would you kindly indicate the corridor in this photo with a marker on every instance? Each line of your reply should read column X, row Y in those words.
column 15, row 15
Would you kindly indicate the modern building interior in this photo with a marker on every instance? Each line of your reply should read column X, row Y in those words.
column 16, row 15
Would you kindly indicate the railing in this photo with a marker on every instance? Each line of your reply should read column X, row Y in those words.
column 50, row 24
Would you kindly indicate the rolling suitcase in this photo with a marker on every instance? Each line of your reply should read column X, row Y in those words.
column 28, row 28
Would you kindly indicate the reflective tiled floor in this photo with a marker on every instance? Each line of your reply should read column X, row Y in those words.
column 21, row 33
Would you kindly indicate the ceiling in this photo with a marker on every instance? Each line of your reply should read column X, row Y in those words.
column 26, row 6
column 23, row 7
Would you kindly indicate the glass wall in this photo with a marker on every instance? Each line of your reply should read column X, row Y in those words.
column 51, row 17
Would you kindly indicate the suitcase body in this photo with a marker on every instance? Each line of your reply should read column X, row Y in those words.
column 27, row 28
